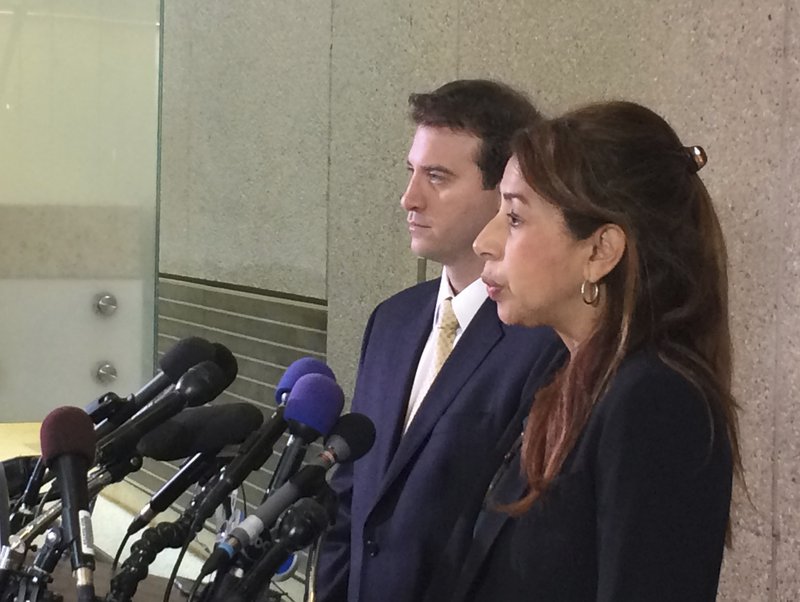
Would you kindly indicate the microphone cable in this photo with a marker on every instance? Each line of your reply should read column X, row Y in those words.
column 197, row 582
column 174, row 574
column 118, row 555
column 182, row 553
column 193, row 591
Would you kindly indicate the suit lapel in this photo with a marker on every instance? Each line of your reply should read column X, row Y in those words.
column 408, row 343
column 510, row 487
column 483, row 333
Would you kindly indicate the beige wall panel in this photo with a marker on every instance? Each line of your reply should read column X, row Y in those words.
column 76, row 241
column 787, row 290
column 715, row 70
column 245, row 143
column 382, row 51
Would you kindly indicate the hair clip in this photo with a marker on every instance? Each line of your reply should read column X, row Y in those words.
column 697, row 157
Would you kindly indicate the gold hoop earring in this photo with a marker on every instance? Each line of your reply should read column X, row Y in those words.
column 590, row 292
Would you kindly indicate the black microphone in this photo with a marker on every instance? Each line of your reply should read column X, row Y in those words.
column 200, row 384
column 198, row 430
column 172, row 365
column 214, row 428
column 68, row 444
column 319, row 392
column 5, row 508
column 300, row 525
column 190, row 472
column 351, row 438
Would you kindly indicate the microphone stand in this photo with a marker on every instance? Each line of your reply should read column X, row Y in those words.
column 99, row 478
column 155, row 539
column 30, row 584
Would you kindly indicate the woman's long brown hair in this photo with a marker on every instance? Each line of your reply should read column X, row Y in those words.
column 620, row 163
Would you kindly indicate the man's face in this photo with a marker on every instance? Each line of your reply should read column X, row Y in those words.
column 446, row 203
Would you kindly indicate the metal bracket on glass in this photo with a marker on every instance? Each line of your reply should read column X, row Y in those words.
column 105, row 373
column 105, row 304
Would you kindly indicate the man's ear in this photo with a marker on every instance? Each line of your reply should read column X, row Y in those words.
column 608, row 246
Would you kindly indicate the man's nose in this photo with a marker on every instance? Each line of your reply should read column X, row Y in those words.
column 413, row 198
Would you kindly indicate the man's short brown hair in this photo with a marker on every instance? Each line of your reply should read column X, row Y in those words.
column 490, row 110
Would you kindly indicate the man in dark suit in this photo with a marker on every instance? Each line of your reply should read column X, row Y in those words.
column 440, row 376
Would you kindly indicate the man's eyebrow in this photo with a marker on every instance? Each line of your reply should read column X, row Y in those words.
column 433, row 168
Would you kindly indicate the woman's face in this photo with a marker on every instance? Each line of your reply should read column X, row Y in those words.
column 534, row 265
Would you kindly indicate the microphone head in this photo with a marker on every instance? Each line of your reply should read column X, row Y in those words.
column 67, row 430
column 302, row 523
column 203, row 382
column 225, row 360
column 316, row 401
column 297, row 369
column 206, row 429
column 183, row 355
column 351, row 437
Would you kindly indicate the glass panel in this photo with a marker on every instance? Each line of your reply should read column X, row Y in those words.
column 78, row 188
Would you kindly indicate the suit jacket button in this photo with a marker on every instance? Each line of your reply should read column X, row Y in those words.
column 372, row 548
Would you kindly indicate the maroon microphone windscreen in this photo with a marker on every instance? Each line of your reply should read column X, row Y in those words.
column 67, row 430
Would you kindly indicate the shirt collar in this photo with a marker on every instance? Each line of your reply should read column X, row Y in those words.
column 466, row 304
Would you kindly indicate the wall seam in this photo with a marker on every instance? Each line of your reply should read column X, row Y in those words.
column 785, row 189
column 459, row 5
column 329, row 166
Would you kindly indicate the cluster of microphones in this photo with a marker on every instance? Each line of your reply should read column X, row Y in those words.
column 46, row 502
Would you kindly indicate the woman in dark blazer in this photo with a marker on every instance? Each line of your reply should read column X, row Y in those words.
column 619, row 486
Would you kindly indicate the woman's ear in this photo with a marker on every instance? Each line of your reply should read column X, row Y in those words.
column 608, row 246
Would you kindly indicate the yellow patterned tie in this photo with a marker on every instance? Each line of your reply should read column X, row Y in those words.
column 448, row 326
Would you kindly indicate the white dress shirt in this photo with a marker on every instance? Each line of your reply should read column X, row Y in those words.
column 465, row 305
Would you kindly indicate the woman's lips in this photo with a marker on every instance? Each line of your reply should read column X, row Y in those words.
column 493, row 288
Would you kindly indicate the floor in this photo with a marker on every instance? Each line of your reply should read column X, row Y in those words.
column 112, row 514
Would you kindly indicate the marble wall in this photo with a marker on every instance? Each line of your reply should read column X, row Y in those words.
column 284, row 137
column 245, row 143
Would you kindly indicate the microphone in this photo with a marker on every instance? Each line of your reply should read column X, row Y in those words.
column 174, row 363
column 5, row 508
column 304, row 427
column 299, row 526
column 68, row 444
column 201, row 430
column 216, row 427
column 351, row 438
column 200, row 384
column 309, row 402
column 297, row 369
column 191, row 471
column 110, row 412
